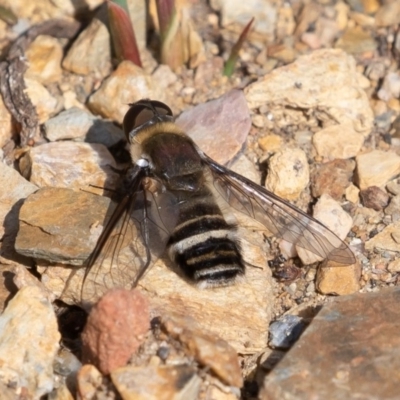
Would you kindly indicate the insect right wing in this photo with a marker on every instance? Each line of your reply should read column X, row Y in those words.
column 280, row 217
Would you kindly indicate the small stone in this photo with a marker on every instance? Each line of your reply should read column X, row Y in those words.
column 219, row 127
column 285, row 331
column 162, row 382
column 388, row 14
column 246, row 168
column 89, row 380
column 44, row 55
column 79, row 125
column 390, row 87
column 332, row 178
column 270, row 143
column 55, row 225
column 394, row 266
column 71, row 164
column 288, row 173
column 393, row 187
column 386, row 239
column 346, row 340
column 352, row 193
column 393, row 209
column 127, row 84
column 374, row 197
column 356, row 40
column 7, row 128
column 46, row 105
column 91, row 52
column 208, row 350
column 115, row 329
column 338, row 141
column 29, row 340
column 331, row 214
column 337, row 279
column 376, row 168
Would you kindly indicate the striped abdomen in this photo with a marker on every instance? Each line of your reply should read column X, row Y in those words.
column 204, row 245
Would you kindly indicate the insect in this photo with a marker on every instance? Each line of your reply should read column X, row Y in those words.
column 175, row 199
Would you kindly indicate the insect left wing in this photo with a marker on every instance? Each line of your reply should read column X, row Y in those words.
column 280, row 217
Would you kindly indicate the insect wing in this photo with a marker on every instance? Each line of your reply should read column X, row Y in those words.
column 131, row 241
column 280, row 217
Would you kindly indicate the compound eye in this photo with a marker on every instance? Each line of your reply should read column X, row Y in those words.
column 142, row 112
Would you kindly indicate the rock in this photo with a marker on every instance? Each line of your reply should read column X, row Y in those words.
column 376, row 168
column 390, row 87
column 388, row 14
column 219, row 127
column 79, row 125
column 89, row 382
column 209, row 351
column 393, row 187
column 7, row 129
column 127, row 84
column 70, row 164
column 323, row 83
column 270, row 143
column 59, row 225
column 387, row 239
column 374, row 197
column 115, row 329
column 349, row 338
column 29, row 341
column 332, row 215
column 338, row 141
column 356, row 40
column 352, row 193
column 138, row 15
column 157, row 382
column 242, row 12
column 332, row 178
column 337, row 279
column 288, row 173
column 46, row 105
column 44, row 56
column 393, row 209
column 285, row 331
column 246, row 168
column 91, row 52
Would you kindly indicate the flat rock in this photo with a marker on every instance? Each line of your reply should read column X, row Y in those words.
column 219, row 127
column 387, row 239
column 91, row 52
column 71, row 164
column 354, row 347
column 60, row 225
column 44, row 55
column 126, row 85
column 338, row 141
column 7, row 128
column 323, row 83
column 288, row 173
column 332, row 178
column 29, row 340
column 376, row 168
column 81, row 126
column 356, row 40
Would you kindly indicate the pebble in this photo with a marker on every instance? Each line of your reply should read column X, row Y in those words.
column 54, row 221
column 46, row 105
column 356, row 40
column 127, row 84
column 393, row 209
column 332, row 178
column 352, row 193
column 376, row 168
column 71, row 164
column 331, row 214
column 323, row 83
column 7, row 128
column 243, row 166
column 393, row 187
column 79, row 125
column 285, row 331
column 288, row 173
column 337, row 279
column 374, row 197
column 157, row 382
column 29, row 340
column 388, row 14
column 387, row 239
column 219, row 127
column 390, row 87
column 338, row 141
column 368, row 341
column 44, row 56
column 89, row 382
column 91, row 52
column 115, row 329
column 270, row 143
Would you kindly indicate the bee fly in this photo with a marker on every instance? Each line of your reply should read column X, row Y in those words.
column 178, row 200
